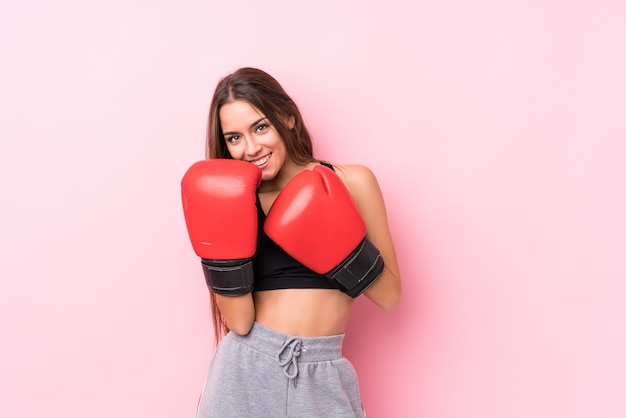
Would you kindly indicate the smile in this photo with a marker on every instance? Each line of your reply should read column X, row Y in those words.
column 261, row 161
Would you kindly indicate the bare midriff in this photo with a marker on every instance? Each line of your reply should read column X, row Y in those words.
column 303, row 312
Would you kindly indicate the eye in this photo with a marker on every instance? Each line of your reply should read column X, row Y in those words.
column 262, row 128
column 232, row 139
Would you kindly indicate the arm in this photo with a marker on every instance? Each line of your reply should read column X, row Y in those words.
column 366, row 193
column 219, row 204
column 238, row 312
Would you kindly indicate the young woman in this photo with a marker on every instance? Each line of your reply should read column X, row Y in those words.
column 287, row 242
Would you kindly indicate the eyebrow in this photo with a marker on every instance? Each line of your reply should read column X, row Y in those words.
column 252, row 125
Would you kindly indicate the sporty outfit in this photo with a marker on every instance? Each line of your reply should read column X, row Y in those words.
column 268, row 374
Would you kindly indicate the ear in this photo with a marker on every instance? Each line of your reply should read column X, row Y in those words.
column 291, row 122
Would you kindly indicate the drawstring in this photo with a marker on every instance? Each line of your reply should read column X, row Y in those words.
column 292, row 348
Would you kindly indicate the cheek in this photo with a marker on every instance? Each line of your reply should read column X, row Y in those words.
column 279, row 145
column 235, row 151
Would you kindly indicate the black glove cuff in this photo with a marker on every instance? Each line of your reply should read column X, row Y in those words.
column 359, row 270
column 229, row 277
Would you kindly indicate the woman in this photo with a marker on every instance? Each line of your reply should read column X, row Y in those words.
column 287, row 242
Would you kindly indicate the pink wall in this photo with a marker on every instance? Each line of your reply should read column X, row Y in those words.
column 497, row 132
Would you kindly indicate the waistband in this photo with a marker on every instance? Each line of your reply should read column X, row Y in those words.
column 271, row 342
column 288, row 350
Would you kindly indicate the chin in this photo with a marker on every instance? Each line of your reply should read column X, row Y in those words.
column 267, row 176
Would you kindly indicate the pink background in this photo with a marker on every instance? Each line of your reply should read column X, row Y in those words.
column 496, row 129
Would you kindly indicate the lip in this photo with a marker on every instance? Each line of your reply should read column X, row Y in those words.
column 266, row 157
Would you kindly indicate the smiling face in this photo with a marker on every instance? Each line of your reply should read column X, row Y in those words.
column 250, row 136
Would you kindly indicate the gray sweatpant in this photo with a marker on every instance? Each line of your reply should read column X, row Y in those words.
column 266, row 374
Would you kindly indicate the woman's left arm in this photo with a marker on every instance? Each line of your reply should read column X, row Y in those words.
column 366, row 193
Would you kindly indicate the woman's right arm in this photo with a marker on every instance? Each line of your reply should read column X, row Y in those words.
column 237, row 311
column 219, row 203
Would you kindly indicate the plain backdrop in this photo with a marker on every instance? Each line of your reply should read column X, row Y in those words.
column 496, row 130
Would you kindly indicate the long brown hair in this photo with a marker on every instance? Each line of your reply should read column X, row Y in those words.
column 263, row 92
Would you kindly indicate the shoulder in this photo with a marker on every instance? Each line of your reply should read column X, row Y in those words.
column 359, row 179
column 355, row 174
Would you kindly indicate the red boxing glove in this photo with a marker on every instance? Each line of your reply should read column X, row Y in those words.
column 219, row 201
column 315, row 220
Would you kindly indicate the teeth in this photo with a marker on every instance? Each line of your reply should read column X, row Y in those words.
column 261, row 161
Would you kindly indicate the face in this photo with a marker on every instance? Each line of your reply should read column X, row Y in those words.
column 250, row 137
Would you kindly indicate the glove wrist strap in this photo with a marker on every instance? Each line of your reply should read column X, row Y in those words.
column 359, row 270
column 229, row 277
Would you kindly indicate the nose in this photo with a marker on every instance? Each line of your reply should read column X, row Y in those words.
column 252, row 146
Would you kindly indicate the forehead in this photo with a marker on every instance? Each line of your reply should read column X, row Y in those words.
column 238, row 114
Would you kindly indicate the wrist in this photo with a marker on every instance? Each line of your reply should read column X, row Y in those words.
column 359, row 271
column 229, row 277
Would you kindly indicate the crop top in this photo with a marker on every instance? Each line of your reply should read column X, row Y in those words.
column 275, row 269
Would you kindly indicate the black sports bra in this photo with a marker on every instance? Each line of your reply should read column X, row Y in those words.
column 275, row 269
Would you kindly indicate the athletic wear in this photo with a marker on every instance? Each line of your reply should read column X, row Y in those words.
column 275, row 269
column 267, row 374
